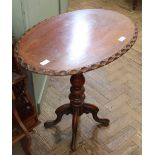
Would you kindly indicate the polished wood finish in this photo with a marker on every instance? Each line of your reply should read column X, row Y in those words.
column 76, row 107
column 24, row 103
column 121, row 102
column 76, row 42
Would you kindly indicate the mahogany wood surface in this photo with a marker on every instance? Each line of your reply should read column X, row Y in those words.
column 76, row 42
column 72, row 44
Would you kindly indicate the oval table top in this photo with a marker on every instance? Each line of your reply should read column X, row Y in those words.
column 76, row 42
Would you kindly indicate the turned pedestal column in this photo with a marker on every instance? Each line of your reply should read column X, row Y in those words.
column 76, row 107
column 72, row 44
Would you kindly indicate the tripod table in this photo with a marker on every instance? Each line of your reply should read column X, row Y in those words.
column 72, row 44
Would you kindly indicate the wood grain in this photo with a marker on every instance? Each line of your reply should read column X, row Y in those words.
column 76, row 42
column 118, row 80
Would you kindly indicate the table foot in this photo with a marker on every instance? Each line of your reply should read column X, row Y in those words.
column 90, row 108
column 75, row 120
column 76, row 107
column 64, row 109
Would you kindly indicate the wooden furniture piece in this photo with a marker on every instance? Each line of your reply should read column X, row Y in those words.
column 24, row 115
column 19, row 131
column 25, row 14
column 24, row 104
column 72, row 44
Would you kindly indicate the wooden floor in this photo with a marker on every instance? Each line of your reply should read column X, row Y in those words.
column 115, row 89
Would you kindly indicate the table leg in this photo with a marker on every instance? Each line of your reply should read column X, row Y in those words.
column 90, row 108
column 76, row 97
column 76, row 107
column 64, row 109
column 75, row 121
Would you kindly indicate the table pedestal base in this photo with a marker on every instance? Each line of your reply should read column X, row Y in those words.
column 76, row 107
